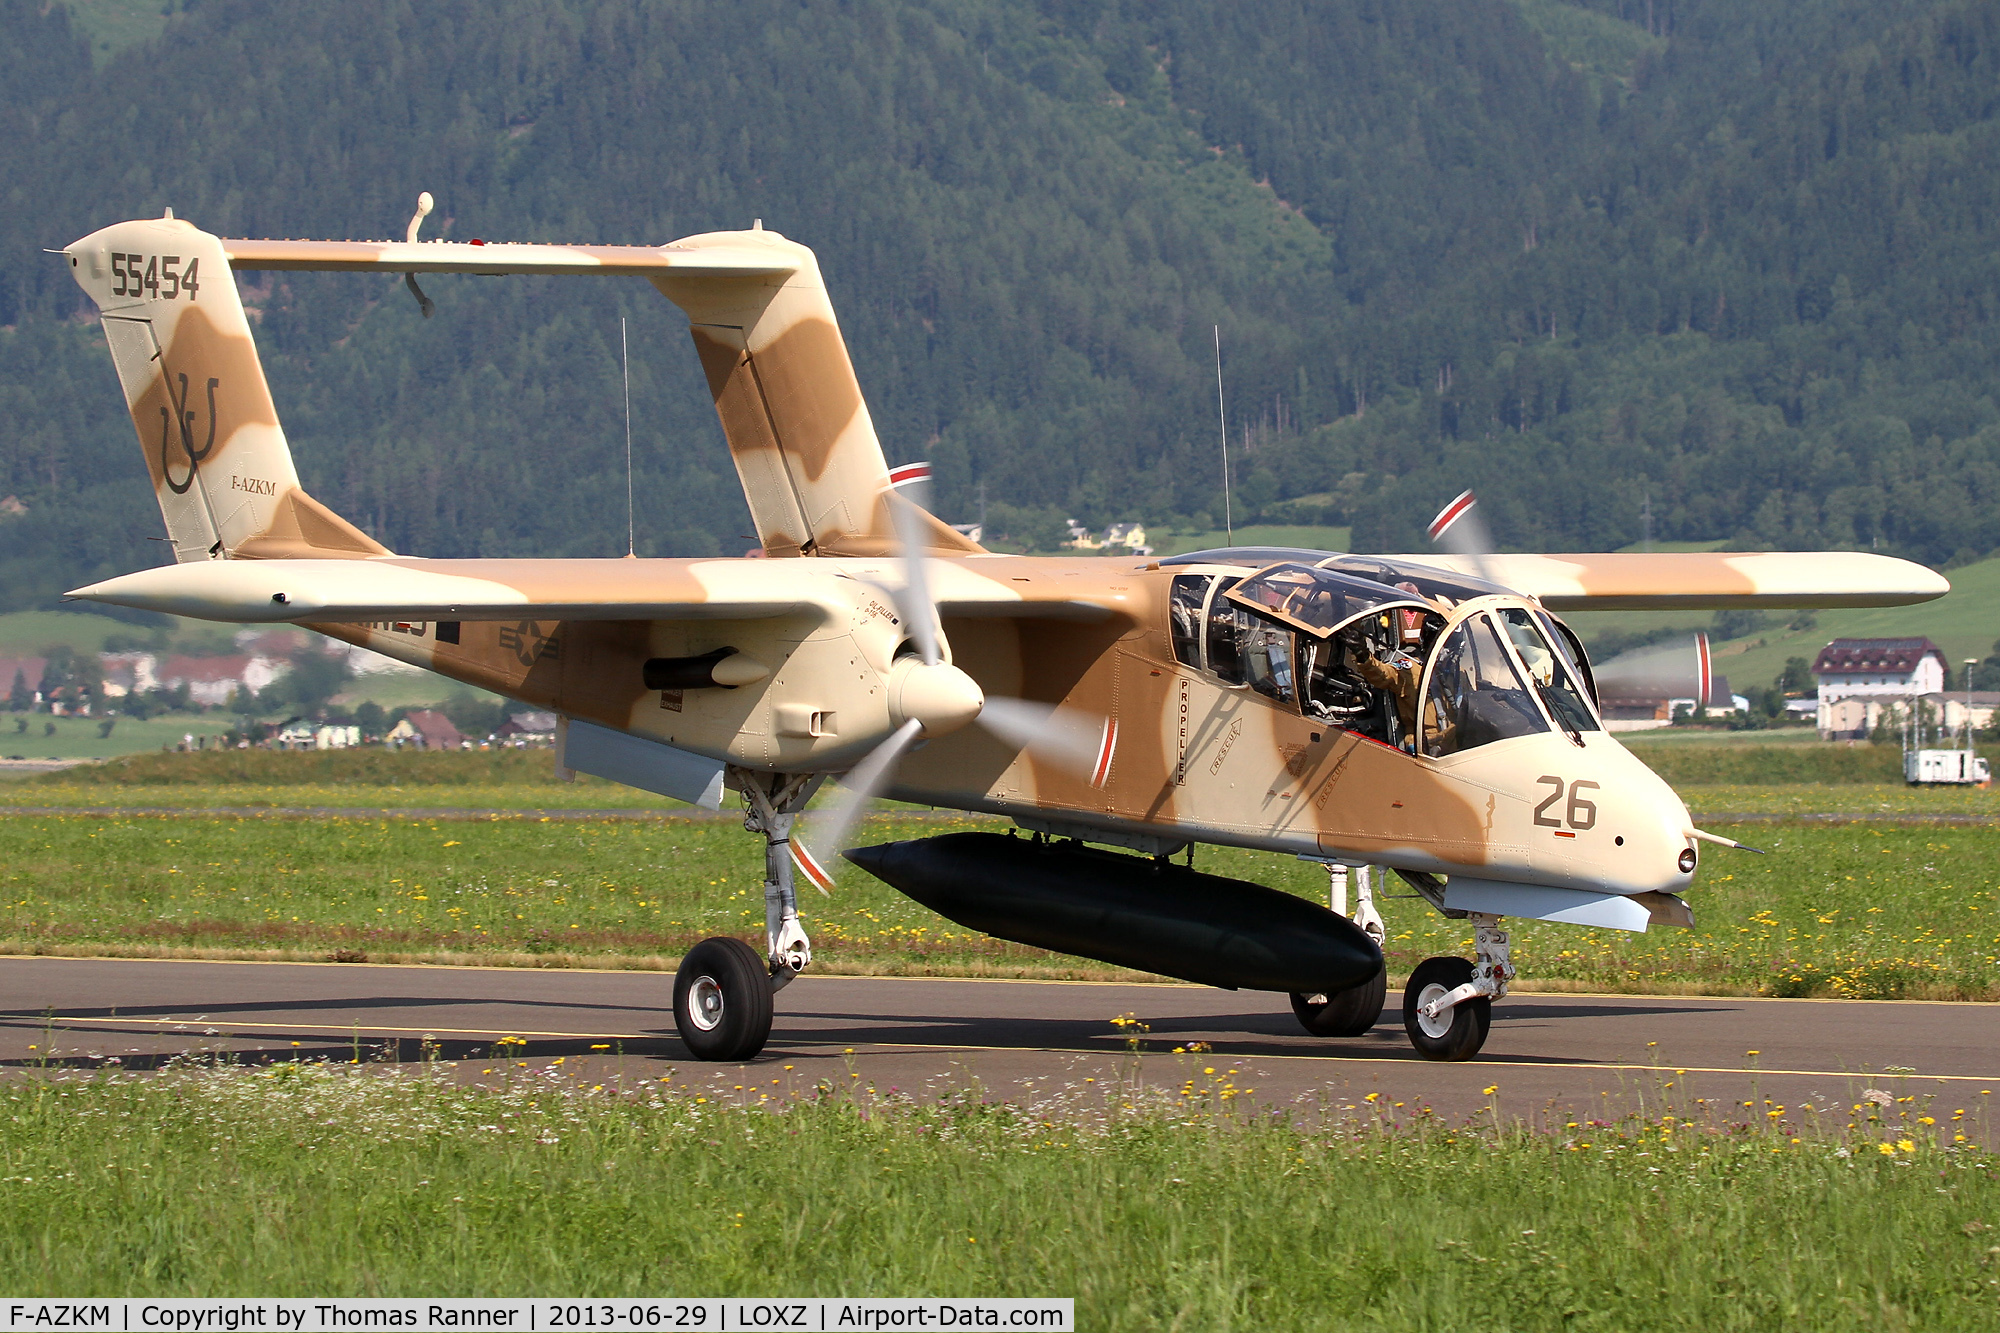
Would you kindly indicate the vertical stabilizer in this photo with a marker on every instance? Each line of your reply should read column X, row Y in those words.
column 218, row 457
column 798, row 429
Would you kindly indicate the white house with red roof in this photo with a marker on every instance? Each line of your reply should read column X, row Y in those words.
column 1858, row 678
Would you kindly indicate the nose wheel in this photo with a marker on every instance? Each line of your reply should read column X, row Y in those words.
column 1454, row 1033
column 1448, row 1005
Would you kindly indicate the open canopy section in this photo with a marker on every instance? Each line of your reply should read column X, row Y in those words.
column 1316, row 600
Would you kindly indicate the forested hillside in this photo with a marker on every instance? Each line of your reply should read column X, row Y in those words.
column 1722, row 261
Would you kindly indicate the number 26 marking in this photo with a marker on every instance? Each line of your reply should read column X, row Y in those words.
column 1582, row 814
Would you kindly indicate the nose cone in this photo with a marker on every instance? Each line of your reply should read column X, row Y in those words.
column 1654, row 823
column 938, row 695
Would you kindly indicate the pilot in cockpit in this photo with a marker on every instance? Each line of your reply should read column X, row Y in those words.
column 1399, row 670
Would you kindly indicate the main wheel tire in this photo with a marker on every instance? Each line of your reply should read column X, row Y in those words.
column 1348, row 1013
column 722, row 1000
column 1458, row 1032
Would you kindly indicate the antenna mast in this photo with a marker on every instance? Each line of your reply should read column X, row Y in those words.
column 625, row 355
column 1222, row 418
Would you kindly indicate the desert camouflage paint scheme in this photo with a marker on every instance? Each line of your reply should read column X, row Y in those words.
column 1190, row 756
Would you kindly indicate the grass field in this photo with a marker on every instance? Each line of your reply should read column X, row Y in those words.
column 371, row 778
column 1901, row 905
column 1703, row 762
column 1846, row 910
column 1254, row 534
column 1176, row 1207
column 78, row 738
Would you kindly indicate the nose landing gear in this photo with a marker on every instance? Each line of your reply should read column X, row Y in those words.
column 1448, row 1005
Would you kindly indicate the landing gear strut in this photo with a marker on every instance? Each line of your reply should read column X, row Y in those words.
column 1448, row 1005
column 722, row 992
column 1354, row 1011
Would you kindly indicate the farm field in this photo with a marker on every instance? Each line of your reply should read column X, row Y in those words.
column 1183, row 1207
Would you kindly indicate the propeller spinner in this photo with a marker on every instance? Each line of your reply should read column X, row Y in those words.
column 928, row 697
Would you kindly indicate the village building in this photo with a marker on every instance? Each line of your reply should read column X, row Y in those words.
column 1131, row 536
column 128, row 673
column 1864, row 681
column 299, row 734
column 425, row 729
column 27, row 672
column 522, row 730
column 214, row 681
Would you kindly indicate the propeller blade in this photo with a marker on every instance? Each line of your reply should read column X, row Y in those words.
column 1680, row 669
column 1459, row 529
column 831, row 828
column 1072, row 739
column 913, row 482
column 914, row 598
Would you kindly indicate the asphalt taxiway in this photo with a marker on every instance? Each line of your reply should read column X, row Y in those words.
column 1549, row 1055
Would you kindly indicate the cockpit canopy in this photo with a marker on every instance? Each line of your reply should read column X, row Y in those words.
column 1379, row 647
column 1438, row 584
column 1316, row 600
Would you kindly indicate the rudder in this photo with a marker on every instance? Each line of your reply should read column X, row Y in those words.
column 798, row 428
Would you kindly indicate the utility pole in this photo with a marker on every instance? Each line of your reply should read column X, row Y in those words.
column 1970, row 663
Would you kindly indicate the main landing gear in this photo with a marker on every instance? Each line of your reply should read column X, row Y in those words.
column 1354, row 1011
column 1448, row 1005
column 723, row 990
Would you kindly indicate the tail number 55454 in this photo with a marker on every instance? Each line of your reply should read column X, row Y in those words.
column 144, row 275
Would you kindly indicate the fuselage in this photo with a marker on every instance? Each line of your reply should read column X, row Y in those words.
column 1218, row 739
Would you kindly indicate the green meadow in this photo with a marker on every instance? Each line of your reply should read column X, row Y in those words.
column 1858, row 909
column 1155, row 1207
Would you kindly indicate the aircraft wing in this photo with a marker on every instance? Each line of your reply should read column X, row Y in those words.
column 707, row 260
column 1662, row 580
column 272, row 591
column 397, row 588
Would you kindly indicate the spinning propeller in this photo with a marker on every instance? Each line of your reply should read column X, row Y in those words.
column 1678, row 669
column 928, row 696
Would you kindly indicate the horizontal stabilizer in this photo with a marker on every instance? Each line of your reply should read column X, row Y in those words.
column 709, row 260
column 1661, row 580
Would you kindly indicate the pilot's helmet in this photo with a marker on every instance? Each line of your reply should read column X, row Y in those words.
column 1409, row 620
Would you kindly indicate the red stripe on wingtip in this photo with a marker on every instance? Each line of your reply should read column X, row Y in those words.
column 1106, row 748
column 909, row 472
column 810, row 868
column 1451, row 513
column 1707, row 681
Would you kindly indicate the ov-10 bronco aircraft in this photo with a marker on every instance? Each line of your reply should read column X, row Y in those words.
column 1427, row 714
